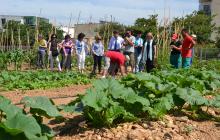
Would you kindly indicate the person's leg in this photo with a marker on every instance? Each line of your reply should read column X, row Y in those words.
column 38, row 59
column 186, row 63
column 172, row 60
column 79, row 61
column 62, row 60
column 43, row 53
column 58, row 63
column 95, row 59
column 51, row 61
column 100, row 63
column 179, row 62
column 83, row 61
column 69, row 57
column 132, row 61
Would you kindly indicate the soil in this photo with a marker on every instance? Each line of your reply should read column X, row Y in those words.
column 74, row 127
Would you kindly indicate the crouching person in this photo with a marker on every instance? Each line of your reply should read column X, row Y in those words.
column 112, row 61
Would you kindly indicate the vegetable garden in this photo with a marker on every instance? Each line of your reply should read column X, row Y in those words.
column 108, row 103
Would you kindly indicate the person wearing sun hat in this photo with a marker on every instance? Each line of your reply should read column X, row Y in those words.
column 175, row 55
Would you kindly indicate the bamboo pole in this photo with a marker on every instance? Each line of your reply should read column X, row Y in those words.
column 19, row 37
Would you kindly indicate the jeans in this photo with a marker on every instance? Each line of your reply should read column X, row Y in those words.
column 51, row 60
column 137, row 59
column 66, row 61
column 97, row 62
column 41, row 59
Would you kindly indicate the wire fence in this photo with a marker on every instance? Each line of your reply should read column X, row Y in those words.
column 207, row 53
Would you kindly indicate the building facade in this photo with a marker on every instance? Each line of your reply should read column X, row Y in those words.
column 211, row 7
column 29, row 20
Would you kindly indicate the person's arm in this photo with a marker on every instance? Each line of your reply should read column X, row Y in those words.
column 130, row 42
column 110, row 44
column 49, row 46
column 122, row 69
column 177, row 48
column 155, row 51
column 192, row 44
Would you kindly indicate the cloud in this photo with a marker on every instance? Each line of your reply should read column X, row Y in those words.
column 123, row 11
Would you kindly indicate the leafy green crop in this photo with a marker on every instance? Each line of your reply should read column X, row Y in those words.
column 29, row 80
column 17, row 124
column 145, row 95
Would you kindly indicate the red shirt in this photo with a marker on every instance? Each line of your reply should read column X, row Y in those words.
column 116, row 57
column 186, row 51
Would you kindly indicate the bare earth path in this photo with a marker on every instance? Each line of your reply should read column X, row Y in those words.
column 75, row 127
column 16, row 96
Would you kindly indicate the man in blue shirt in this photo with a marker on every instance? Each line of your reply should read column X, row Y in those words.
column 116, row 42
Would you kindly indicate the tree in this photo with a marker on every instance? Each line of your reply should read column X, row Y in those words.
column 145, row 25
column 198, row 23
column 13, row 28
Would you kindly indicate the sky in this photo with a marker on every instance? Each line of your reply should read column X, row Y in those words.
column 122, row 11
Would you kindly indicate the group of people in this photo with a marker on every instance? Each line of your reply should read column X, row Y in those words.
column 66, row 48
column 138, row 53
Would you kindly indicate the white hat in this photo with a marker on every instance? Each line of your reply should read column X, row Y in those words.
column 194, row 36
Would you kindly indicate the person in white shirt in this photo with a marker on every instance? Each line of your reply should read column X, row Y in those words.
column 116, row 42
column 98, row 52
column 81, row 51
column 129, row 49
column 139, row 42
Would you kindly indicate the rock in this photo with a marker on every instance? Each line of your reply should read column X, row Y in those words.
column 139, row 134
column 167, row 136
column 157, row 138
column 136, row 126
column 144, row 125
column 98, row 137
column 182, row 119
column 162, row 123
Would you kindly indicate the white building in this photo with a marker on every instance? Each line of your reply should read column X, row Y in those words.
column 68, row 30
column 211, row 7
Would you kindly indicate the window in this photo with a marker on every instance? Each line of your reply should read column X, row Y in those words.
column 3, row 21
column 207, row 9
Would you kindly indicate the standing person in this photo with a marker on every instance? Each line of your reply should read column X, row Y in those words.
column 113, row 60
column 175, row 56
column 138, row 48
column 116, row 42
column 187, row 46
column 149, row 52
column 66, row 51
column 193, row 50
column 81, row 51
column 98, row 52
column 54, row 52
column 42, row 48
column 129, row 49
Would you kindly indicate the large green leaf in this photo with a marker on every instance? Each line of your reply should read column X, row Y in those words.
column 21, row 123
column 96, row 100
column 41, row 106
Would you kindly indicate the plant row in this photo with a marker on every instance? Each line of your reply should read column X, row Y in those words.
column 29, row 80
column 147, row 96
